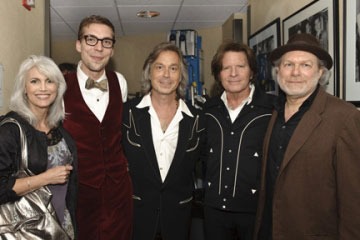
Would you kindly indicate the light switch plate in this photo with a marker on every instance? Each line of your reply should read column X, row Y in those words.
column 30, row 3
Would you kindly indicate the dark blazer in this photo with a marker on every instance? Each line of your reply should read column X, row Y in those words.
column 316, row 194
column 171, row 199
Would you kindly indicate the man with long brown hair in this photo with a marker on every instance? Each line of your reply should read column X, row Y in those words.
column 162, row 145
column 236, row 121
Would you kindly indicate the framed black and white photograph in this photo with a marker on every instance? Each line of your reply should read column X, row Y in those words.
column 351, row 86
column 320, row 19
column 263, row 42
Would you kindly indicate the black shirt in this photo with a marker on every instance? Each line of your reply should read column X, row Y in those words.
column 280, row 137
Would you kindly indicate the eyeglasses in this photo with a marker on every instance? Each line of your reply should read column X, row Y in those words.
column 91, row 40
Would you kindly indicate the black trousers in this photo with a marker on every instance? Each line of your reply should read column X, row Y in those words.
column 225, row 225
column 158, row 235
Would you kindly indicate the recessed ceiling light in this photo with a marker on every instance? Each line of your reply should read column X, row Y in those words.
column 147, row 14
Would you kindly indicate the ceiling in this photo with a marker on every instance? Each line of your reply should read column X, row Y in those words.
column 66, row 15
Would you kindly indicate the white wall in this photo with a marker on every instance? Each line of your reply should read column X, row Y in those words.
column 22, row 34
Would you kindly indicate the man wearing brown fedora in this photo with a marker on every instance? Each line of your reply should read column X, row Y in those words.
column 311, row 166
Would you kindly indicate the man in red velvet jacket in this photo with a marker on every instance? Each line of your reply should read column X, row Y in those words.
column 93, row 103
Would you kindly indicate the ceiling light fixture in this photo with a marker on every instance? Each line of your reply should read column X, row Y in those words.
column 147, row 14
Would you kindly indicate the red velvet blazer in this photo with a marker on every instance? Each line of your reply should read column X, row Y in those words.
column 99, row 146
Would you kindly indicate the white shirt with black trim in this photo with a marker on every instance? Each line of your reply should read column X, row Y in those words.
column 164, row 142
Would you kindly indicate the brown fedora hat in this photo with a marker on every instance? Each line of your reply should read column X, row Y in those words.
column 303, row 42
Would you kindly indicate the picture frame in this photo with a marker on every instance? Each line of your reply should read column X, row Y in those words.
column 263, row 42
column 320, row 19
column 351, row 76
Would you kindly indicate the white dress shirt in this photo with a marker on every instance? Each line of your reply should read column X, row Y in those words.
column 96, row 99
column 164, row 142
column 235, row 112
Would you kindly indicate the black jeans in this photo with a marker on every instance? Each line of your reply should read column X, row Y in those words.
column 227, row 225
column 158, row 236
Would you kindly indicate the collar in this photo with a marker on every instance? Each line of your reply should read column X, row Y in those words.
column 280, row 103
column 245, row 101
column 146, row 102
column 82, row 77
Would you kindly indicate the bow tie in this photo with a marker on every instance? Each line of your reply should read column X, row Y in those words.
column 102, row 85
